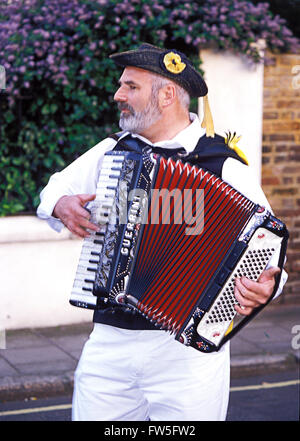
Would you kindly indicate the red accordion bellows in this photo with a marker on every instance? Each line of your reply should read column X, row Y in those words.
column 174, row 268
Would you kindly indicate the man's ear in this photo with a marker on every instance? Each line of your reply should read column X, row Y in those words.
column 167, row 95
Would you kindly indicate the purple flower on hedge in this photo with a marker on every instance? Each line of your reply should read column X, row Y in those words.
column 50, row 35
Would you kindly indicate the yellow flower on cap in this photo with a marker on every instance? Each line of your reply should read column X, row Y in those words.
column 173, row 63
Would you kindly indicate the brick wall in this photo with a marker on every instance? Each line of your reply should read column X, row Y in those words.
column 281, row 155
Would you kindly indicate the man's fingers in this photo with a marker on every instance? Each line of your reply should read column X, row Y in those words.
column 84, row 198
column 82, row 212
column 80, row 209
column 78, row 231
column 251, row 294
column 250, row 288
column 243, row 296
column 79, row 226
column 245, row 306
column 269, row 274
column 243, row 310
column 70, row 210
column 85, row 223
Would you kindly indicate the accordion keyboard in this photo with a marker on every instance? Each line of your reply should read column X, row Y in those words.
column 82, row 291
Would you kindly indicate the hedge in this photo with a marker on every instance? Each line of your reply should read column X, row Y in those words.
column 58, row 96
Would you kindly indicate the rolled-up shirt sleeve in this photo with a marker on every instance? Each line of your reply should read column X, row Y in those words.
column 80, row 177
column 243, row 178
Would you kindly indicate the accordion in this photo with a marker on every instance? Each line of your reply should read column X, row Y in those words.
column 172, row 239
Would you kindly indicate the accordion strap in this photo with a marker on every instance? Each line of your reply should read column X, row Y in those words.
column 137, row 145
column 209, row 153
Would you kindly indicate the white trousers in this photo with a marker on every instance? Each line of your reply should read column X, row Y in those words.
column 130, row 375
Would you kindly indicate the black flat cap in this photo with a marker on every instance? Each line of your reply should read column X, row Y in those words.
column 168, row 63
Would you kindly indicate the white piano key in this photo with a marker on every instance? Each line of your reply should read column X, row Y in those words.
column 81, row 269
column 103, row 177
column 78, row 283
column 110, row 172
column 85, row 276
column 90, row 246
column 79, row 290
column 90, row 300
column 84, row 296
column 88, row 250
column 112, row 182
column 80, row 293
column 87, row 255
column 106, row 194
column 106, row 203
column 112, row 157
column 82, row 287
column 106, row 187
column 85, row 259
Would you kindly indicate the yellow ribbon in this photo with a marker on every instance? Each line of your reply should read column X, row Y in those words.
column 207, row 121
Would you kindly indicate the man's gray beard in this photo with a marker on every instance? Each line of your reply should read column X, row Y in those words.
column 137, row 122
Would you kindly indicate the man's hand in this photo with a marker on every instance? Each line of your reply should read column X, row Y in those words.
column 69, row 209
column 251, row 294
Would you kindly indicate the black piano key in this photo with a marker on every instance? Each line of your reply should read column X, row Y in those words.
column 88, row 281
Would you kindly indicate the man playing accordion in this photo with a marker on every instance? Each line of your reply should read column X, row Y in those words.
column 130, row 370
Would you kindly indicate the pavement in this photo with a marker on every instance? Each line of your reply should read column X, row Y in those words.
column 41, row 362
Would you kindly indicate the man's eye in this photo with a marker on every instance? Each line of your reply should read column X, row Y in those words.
column 132, row 87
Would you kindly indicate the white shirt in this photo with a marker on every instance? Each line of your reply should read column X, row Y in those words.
column 82, row 175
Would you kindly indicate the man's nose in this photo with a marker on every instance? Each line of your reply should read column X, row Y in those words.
column 120, row 95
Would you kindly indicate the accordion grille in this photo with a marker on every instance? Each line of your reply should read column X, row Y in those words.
column 174, row 268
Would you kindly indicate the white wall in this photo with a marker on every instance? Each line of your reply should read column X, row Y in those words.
column 235, row 91
column 37, row 268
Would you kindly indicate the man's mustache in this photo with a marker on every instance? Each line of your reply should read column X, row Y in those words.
column 124, row 106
